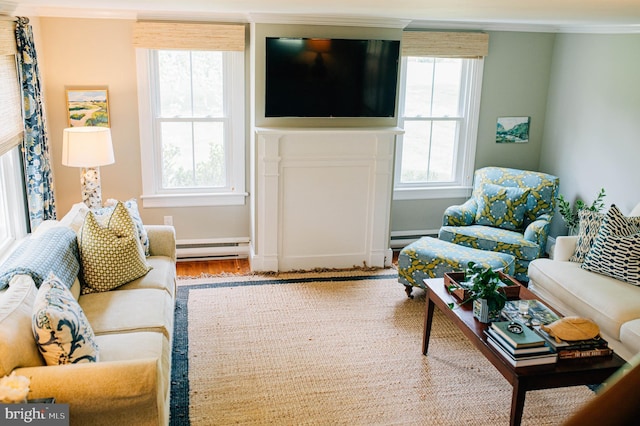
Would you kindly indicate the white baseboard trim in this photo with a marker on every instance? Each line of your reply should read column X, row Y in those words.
column 400, row 239
column 212, row 248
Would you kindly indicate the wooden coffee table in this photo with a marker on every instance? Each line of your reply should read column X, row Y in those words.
column 570, row 372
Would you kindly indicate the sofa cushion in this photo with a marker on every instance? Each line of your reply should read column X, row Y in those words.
column 55, row 250
column 590, row 222
column 17, row 346
column 61, row 330
column 111, row 255
column 576, row 291
column 161, row 276
column 501, row 206
column 616, row 250
column 124, row 311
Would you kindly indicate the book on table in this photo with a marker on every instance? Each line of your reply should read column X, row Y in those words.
column 524, row 337
column 524, row 360
column 517, row 352
column 587, row 348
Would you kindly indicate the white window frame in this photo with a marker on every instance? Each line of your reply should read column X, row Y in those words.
column 12, row 202
column 461, row 185
column 234, row 193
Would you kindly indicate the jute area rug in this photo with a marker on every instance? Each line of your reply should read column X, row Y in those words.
column 333, row 349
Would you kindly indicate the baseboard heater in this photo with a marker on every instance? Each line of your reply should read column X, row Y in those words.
column 218, row 248
column 400, row 239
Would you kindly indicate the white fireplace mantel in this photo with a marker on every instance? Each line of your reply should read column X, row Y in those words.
column 321, row 198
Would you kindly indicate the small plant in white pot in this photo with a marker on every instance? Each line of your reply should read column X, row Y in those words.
column 482, row 285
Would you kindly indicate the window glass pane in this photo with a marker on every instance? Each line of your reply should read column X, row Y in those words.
column 428, row 149
column 174, row 81
column 193, row 155
column 210, row 154
column 443, row 148
column 415, row 151
column 446, row 92
column 418, row 87
column 177, row 155
column 208, row 84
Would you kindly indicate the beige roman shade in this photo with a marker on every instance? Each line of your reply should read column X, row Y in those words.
column 7, row 37
column 188, row 36
column 11, row 124
column 445, row 44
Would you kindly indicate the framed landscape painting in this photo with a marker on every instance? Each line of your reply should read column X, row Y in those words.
column 512, row 130
column 88, row 107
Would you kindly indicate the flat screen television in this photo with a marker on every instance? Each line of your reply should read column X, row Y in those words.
column 313, row 77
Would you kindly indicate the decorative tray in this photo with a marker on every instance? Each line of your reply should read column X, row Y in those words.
column 511, row 288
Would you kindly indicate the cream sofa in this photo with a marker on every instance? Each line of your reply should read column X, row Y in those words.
column 133, row 324
column 614, row 305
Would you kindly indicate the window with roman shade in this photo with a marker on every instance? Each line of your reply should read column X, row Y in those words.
column 441, row 79
column 191, row 86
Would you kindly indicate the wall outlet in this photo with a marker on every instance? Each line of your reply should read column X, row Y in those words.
column 168, row 220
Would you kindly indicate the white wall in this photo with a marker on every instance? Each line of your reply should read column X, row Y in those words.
column 592, row 133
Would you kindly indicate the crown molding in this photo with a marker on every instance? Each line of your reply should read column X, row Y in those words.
column 333, row 20
column 526, row 27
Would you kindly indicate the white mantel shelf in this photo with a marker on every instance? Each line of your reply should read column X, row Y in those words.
column 321, row 197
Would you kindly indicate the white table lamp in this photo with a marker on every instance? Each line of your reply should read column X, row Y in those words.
column 89, row 148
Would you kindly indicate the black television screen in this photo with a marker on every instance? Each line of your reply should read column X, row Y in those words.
column 312, row 77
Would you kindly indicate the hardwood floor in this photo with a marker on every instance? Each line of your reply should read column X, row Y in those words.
column 194, row 268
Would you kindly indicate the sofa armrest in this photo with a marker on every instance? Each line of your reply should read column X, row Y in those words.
column 104, row 392
column 565, row 247
column 461, row 215
column 162, row 240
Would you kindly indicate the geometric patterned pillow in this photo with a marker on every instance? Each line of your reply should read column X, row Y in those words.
column 502, row 206
column 63, row 334
column 616, row 249
column 103, row 214
column 112, row 255
column 590, row 222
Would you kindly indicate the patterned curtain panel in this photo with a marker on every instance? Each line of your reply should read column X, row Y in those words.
column 37, row 162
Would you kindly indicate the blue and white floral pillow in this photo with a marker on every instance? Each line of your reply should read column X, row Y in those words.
column 61, row 329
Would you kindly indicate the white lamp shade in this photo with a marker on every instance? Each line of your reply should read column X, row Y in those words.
column 87, row 147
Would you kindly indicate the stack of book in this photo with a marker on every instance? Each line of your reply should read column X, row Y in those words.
column 596, row 347
column 522, row 349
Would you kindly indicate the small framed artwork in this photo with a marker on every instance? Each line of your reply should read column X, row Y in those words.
column 88, row 107
column 512, row 129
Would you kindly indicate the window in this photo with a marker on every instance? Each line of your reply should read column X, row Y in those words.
column 192, row 127
column 12, row 211
column 439, row 103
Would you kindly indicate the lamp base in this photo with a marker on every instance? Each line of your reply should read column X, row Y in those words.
column 90, row 186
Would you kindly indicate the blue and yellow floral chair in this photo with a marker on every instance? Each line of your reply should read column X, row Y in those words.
column 509, row 212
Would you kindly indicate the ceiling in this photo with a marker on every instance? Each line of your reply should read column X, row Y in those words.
column 604, row 16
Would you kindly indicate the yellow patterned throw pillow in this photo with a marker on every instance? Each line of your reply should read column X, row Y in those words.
column 111, row 255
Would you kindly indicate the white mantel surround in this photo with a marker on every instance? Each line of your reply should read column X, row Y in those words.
column 322, row 197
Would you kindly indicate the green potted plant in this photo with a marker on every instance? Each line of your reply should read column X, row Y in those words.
column 482, row 285
column 570, row 213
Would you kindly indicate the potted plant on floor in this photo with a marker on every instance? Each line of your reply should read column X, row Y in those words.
column 482, row 285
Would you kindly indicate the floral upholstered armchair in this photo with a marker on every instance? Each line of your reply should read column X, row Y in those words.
column 509, row 211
